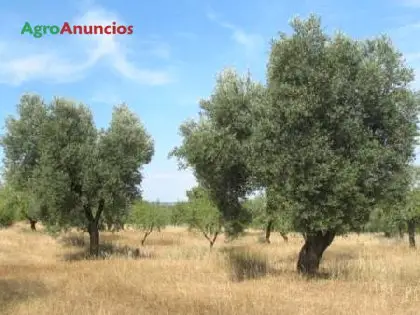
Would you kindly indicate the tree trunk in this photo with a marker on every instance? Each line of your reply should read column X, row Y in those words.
column 93, row 230
column 32, row 221
column 93, row 226
column 401, row 231
column 146, row 234
column 33, row 224
column 268, row 231
column 311, row 253
column 411, row 229
column 387, row 234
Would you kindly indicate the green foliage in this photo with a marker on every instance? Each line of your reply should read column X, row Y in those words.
column 9, row 206
column 146, row 215
column 75, row 171
column 201, row 214
column 16, row 205
column 381, row 221
column 216, row 145
column 177, row 216
column 390, row 217
column 262, row 213
column 257, row 208
column 340, row 126
column 411, row 208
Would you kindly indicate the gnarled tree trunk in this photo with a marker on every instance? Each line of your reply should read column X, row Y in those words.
column 268, row 231
column 93, row 226
column 32, row 221
column 146, row 234
column 93, row 230
column 311, row 253
column 33, row 224
column 411, row 229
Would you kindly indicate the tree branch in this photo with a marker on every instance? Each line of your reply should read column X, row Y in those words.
column 215, row 236
column 88, row 212
column 101, row 206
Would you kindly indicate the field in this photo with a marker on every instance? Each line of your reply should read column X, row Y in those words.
column 176, row 274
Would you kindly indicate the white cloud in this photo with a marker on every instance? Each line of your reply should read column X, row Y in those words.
column 404, row 38
column 411, row 3
column 413, row 60
column 155, row 47
column 251, row 42
column 108, row 97
column 45, row 66
column 20, row 62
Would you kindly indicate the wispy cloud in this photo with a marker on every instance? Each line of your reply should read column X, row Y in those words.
column 107, row 97
column 405, row 38
column 19, row 62
column 251, row 42
column 410, row 3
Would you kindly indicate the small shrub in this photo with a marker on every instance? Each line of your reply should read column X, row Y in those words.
column 7, row 217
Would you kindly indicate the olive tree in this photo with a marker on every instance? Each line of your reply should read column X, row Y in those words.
column 76, row 171
column 148, row 216
column 412, row 216
column 277, row 214
column 338, row 133
column 269, row 211
column 409, row 211
column 201, row 214
column 216, row 145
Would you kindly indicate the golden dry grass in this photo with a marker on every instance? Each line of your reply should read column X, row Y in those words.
column 367, row 275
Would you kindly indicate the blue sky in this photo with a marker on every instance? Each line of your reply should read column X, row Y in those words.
column 172, row 59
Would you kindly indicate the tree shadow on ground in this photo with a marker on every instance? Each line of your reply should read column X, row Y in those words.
column 245, row 264
column 17, row 290
column 74, row 240
column 107, row 251
column 337, row 265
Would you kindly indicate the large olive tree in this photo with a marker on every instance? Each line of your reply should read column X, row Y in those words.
column 339, row 130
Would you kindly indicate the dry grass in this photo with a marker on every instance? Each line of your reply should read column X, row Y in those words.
column 176, row 275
